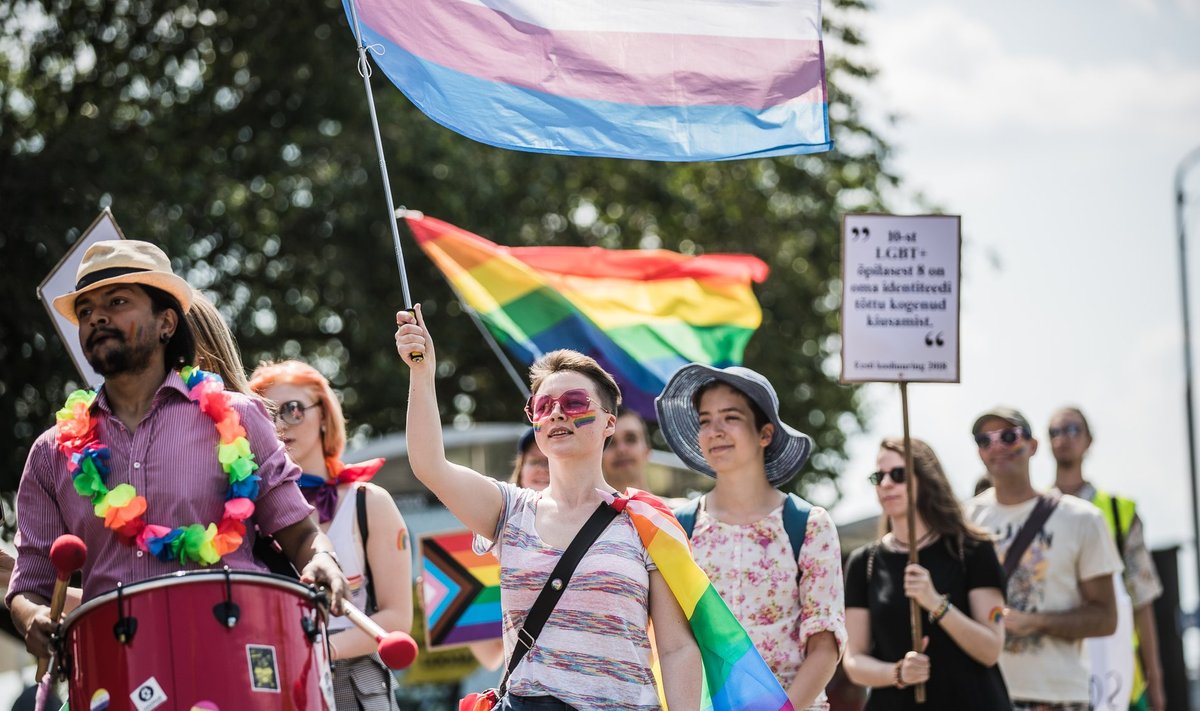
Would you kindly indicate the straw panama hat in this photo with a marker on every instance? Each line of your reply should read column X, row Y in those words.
column 783, row 457
column 124, row 261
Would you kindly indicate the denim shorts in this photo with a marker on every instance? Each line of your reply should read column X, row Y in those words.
column 511, row 702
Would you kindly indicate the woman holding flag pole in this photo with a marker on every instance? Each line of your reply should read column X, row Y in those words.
column 593, row 651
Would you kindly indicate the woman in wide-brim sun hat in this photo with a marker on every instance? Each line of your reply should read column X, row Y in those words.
column 725, row 423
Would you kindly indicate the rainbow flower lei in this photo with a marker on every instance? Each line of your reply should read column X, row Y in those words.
column 124, row 511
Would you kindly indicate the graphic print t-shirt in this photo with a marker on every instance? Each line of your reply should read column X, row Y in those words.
column 1072, row 546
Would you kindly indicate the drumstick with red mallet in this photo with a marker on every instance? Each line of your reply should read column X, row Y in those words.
column 68, row 554
column 396, row 649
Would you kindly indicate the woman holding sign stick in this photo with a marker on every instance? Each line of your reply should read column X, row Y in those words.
column 957, row 583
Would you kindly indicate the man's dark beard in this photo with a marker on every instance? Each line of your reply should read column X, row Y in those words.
column 122, row 359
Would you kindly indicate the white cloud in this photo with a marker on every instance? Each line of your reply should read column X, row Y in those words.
column 957, row 73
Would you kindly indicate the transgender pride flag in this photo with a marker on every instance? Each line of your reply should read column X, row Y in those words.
column 670, row 80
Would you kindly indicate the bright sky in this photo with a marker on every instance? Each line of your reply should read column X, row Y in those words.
column 1055, row 133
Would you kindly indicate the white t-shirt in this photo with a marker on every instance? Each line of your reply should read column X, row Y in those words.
column 1073, row 546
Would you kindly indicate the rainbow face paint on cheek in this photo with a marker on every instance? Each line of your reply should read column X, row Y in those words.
column 537, row 426
column 585, row 419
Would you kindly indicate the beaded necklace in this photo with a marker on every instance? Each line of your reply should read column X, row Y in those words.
column 124, row 511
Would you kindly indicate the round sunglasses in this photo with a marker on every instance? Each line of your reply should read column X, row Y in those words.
column 896, row 473
column 292, row 411
column 1008, row 437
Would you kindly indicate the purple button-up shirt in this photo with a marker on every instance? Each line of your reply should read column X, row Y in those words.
column 172, row 461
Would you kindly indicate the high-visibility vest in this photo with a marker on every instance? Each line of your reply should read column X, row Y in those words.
column 1118, row 513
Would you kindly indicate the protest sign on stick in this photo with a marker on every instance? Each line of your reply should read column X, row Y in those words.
column 900, row 319
column 61, row 280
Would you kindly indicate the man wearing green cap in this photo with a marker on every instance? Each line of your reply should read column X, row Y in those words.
column 1058, row 561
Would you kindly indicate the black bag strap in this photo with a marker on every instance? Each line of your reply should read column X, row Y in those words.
column 1033, row 525
column 555, row 585
column 1120, row 532
column 360, row 506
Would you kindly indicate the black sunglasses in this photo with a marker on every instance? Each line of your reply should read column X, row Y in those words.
column 897, row 475
column 292, row 411
column 1067, row 430
column 1008, row 436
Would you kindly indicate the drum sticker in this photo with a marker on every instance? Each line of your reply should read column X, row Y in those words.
column 99, row 700
column 264, row 674
column 148, row 696
column 327, row 688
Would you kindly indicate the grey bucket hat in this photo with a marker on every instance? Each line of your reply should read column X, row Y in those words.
column 788, row 450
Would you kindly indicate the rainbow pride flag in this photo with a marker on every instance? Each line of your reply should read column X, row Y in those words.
column 642, row 314
column 671, row 80
column 735, row 676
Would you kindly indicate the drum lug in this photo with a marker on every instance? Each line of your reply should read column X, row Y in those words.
column 126, row 626
column 311, row 629
column 227, row 612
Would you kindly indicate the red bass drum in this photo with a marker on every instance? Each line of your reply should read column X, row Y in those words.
column 199, row 641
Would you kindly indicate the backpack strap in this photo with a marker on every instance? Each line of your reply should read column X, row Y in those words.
column 1045, row 506
column 795, row 522
column 360, row 507
column 686, row 515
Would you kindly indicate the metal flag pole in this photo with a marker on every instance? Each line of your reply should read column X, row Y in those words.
column 364, row 70
column 1181, row 172
column 491, row 341
column 487, row 335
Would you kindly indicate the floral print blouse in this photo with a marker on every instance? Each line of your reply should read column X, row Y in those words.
column 751, row 566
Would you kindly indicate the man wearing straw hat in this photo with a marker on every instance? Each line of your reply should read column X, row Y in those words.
column 1059, row 562
column 154, row 473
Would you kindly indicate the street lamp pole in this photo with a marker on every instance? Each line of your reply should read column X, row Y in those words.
column 1181, row 224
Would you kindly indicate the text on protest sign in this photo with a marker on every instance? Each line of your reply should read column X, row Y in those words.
column 900, row 298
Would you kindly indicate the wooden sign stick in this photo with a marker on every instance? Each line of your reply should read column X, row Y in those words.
column 914, row 610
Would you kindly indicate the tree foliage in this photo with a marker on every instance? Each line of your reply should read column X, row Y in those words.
column 236, row 135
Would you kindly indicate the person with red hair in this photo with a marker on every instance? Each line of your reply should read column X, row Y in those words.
column 311, row 425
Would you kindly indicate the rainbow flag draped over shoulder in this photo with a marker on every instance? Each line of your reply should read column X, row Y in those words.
column 735, row 676
column 642, row 314
column 671, row 80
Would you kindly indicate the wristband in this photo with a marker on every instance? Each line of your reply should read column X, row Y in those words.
column 899, row 676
